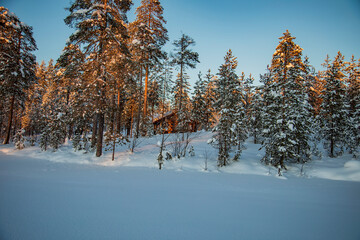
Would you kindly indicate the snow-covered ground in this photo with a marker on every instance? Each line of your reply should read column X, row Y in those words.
column 71, row 195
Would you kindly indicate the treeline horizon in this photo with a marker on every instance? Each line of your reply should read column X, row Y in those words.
column 114, row 78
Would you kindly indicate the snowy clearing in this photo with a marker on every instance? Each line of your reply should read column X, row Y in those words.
column 71, row 195
column 145, row 155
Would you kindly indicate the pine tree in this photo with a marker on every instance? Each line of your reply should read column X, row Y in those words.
column 165, row 82
column 248, row 95
column 228, row 131
column 334, row 112
column 77, row 92
column 53, row 105
column 256, row 106
column 199, row 111
column 100, row 29
column 151, row 36
column 314, row 86
column 209, row 97
column 17, row 63
column 286, row 122
column 32, row 119
column 241, row 122
column 181, row 95
column 183, row 58
column 268, row 118
column 353, row 94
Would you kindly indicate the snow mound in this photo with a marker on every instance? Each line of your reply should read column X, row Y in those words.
column 349, row 171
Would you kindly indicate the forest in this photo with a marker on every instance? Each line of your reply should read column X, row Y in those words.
column 114, row 84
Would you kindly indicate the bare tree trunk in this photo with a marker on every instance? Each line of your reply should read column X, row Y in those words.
column 332, row 147
column 120, row 110
column 113, row 150
column 94, row 130
column 15, row 124
column 146, row 91
column 181, row 87
column 139, row 108
column 100, row 134
column 101, row 115
column 11, row 112
column 112, row 115
column 132, row 122
column 70, row 127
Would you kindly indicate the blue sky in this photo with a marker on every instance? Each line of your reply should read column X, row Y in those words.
column 250, row 28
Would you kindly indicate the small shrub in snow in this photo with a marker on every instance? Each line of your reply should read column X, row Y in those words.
column 191, row 151
column 160, row 160
column 168, row 156
column 19, row 139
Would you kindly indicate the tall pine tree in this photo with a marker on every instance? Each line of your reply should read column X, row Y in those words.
column 183, row 58
column 101, row 27
column 150, row 39
column 17, row 64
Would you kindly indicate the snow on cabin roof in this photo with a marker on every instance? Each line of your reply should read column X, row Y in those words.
column 158, row 117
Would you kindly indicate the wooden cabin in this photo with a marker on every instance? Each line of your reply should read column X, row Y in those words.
column 169, row 119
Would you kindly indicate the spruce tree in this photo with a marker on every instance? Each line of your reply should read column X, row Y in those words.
column 241, row 122
column 334, row 112
column 248, row 92
column 198, row 113
column 256, row 112
column 181, row 91
column 227, row 92
column 269, row 110
column 314, row 86
column 209, row 97
column 286, row 122
column 32, row 120
column 353, row 95
column 53, row 132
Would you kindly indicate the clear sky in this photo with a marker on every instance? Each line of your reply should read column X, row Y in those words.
column 250, row 28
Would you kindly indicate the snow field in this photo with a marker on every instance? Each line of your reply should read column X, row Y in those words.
column 67, row 195
column 145, row 155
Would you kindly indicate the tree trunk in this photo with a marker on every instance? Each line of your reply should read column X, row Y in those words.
column 99, row 142
column 181, row 87
column 332, row 147
column 113, row 150
column 120, row 109
column 11, row 112
column 70, row 127
column 94, row 130
column 112, row 115
column 102, row 71
column 146, row 91
column 139, row 108
column 15, row 125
